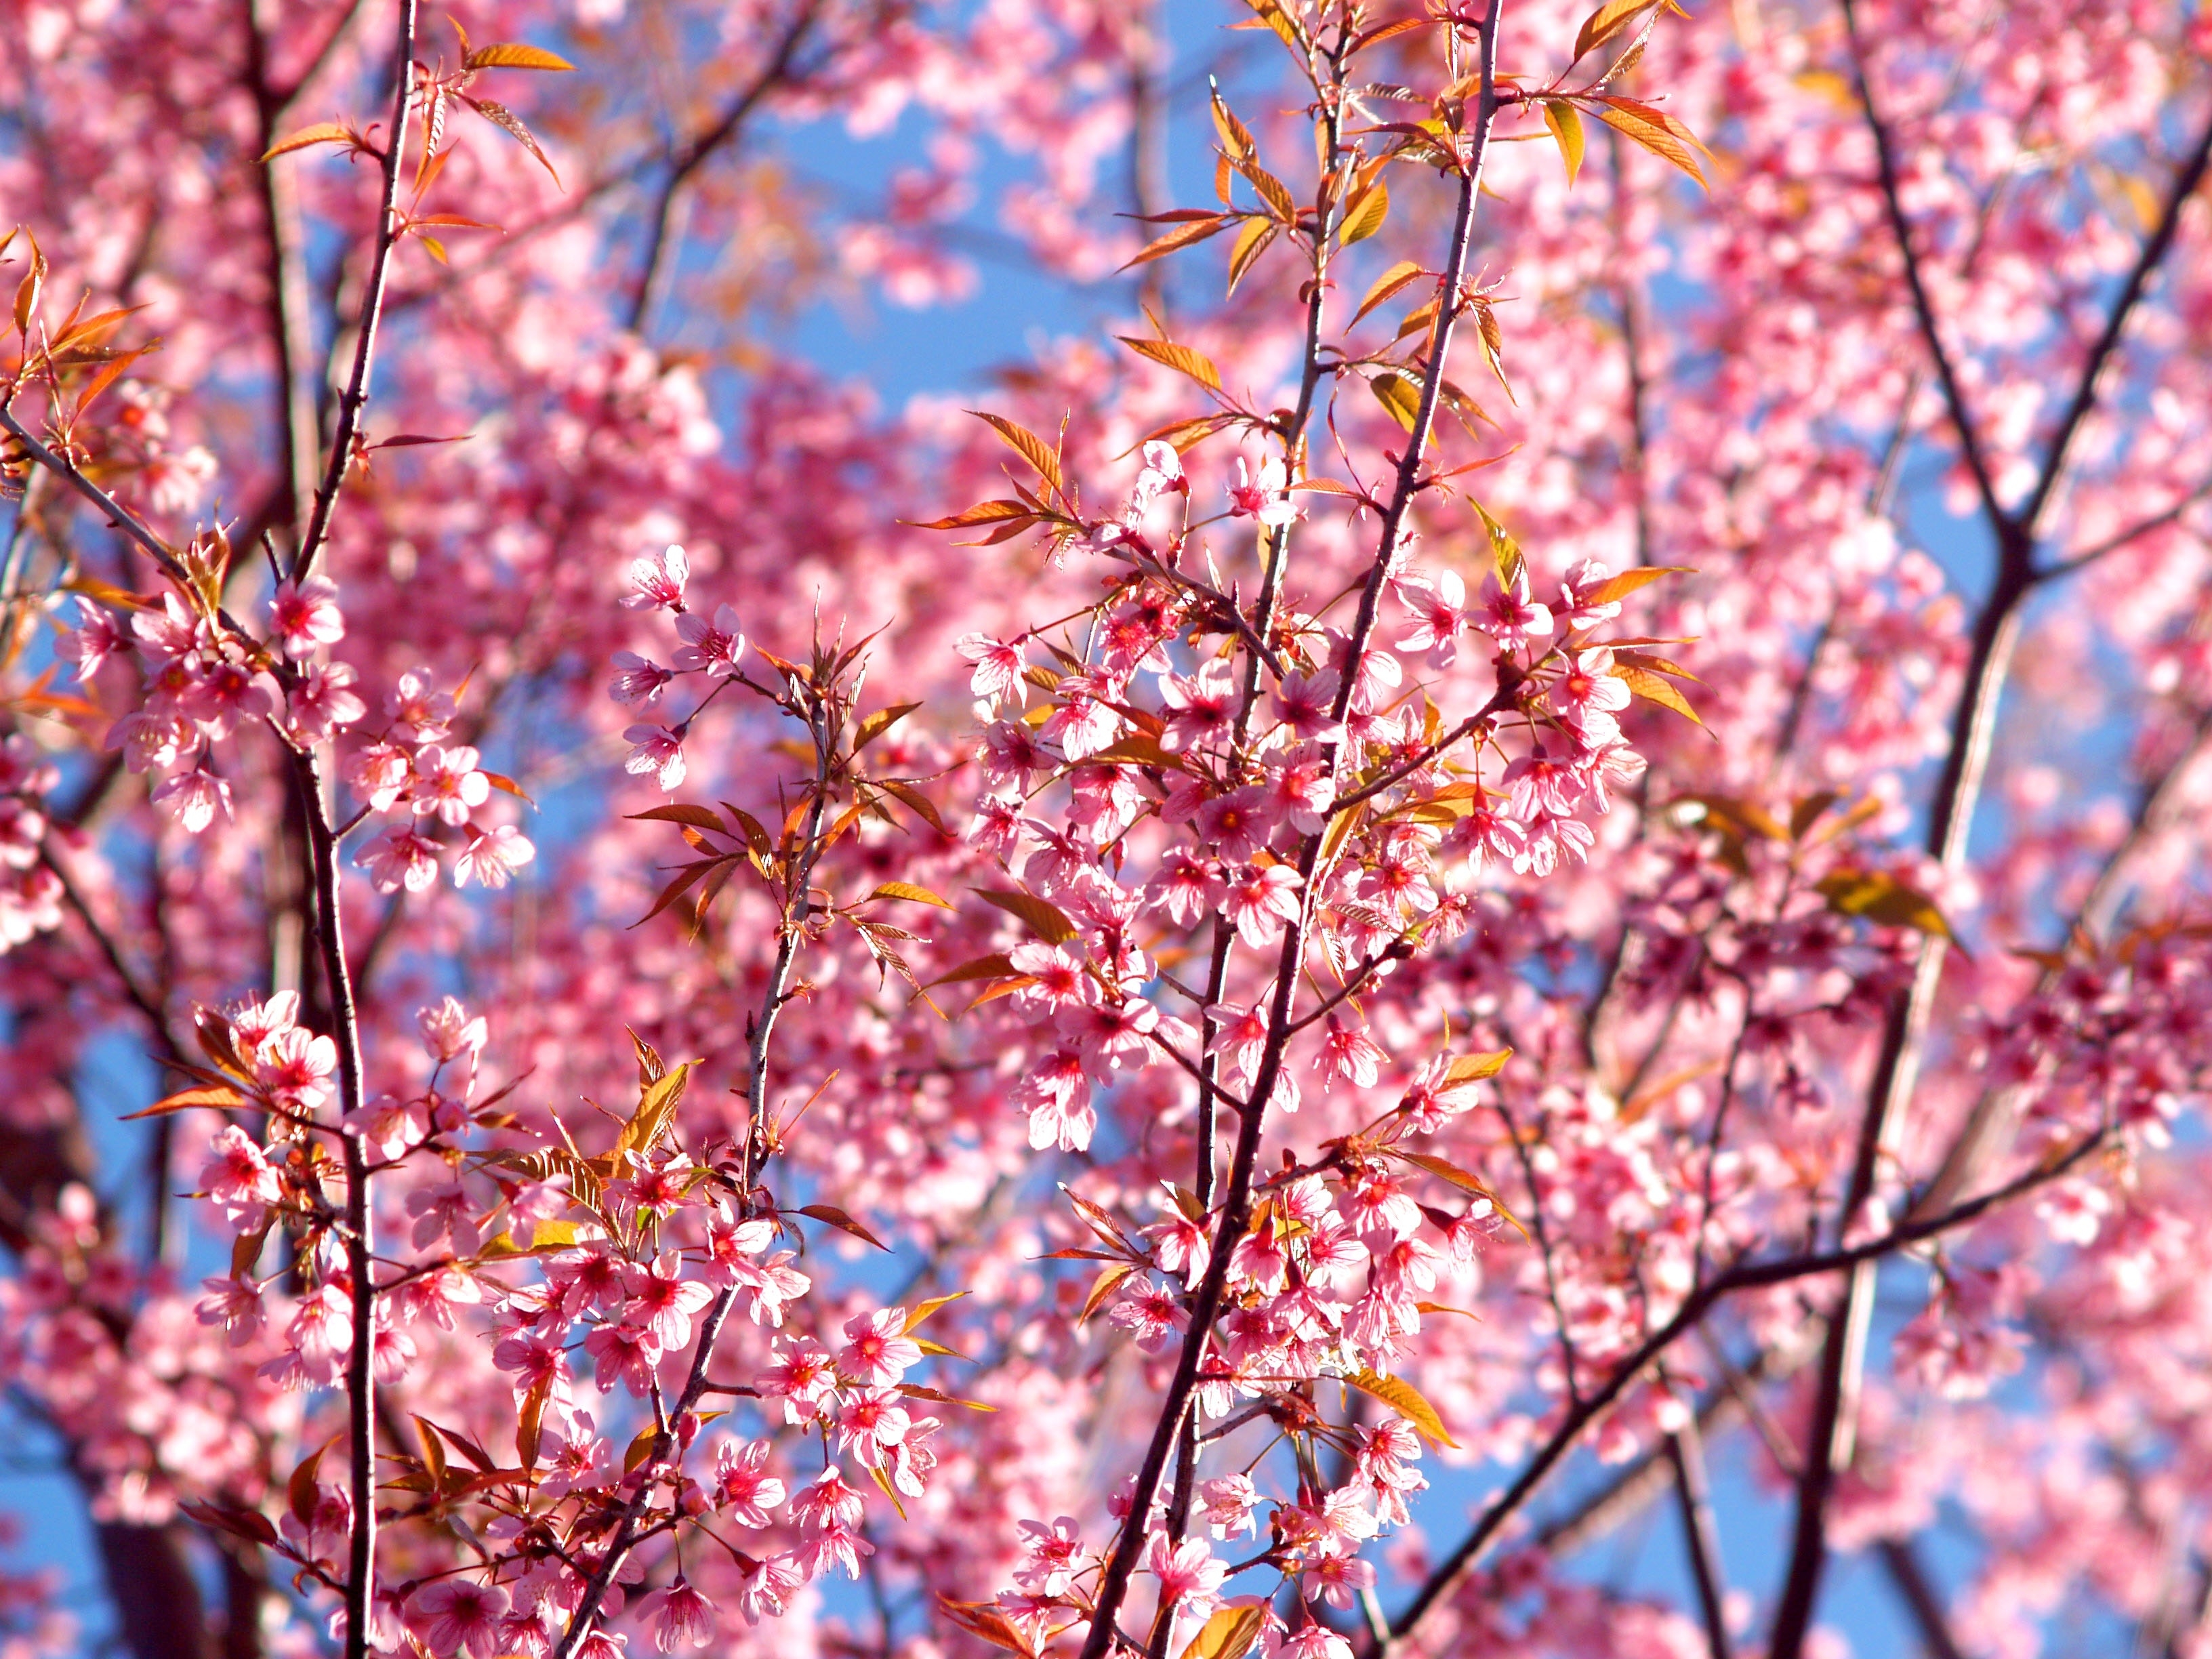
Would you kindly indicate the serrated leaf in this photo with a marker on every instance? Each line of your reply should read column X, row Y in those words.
column 836, row 1217
column 1566, row 125
column 880, row 722
column 916, row 1391
column 1251, row 242
column 1398, row 394
column 699, row 817
column 909, row 891
column 1606, row 21
column 1407, row 1401
column 1615, row 588
column 1235, row 136
column 923, row 1310
column 1653, row 688
column 994, row 966
column 186, row 1098
column 300, row 1493
column 1656, row 132
column 986, row 1622
column 1026, row 444
column 323, row 132
column 656, row 1110
column 508, row 54
column 997, row 512
column 1045, row 919
column 1470, row 1068
column 1398, row 276
column 1180, row 358
column 1183, row 236
column 1366, row 215
column 1881, row 898
column 1108, row 1280
column 923, row 807
column 508, row 122
column 1230, row 1633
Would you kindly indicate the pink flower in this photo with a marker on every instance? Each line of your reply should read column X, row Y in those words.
column 1150, row 1314
column 626, row 1353
column 306, row 615
column 1054, row 1552
column 657, row 581
column 1201, row 708
column 1304, row 704
column 97, row 637
column 457, row 1615
column 294, row 1066
column 663, row 1300
column 1439, row 611
column 679, row 1617
column 1228, row 1505
column 1261, row 901
column 417, row 705
column 490, row 857
column 766, row 1586
column 1083, row 724
column 1349, row 1056
column 380, row 772
column 1590, row 695
column 193, row 798
column 1190, row 1579
column 710, row 647
column 1510, row 616
column 448, row 783
column 323, row 701
column 1265, row 496
column 659, row 751
column 998, row 667
column 742, row 1486
column 803, row 1377
column 399, row 857
column 878, row 1350
column 640, row 680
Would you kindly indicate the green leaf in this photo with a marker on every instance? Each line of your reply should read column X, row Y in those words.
column 1881, row 898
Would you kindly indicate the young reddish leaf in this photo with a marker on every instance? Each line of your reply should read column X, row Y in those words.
column 923, row 807
column 506, row 54
column 1180, row 358
column 1881, row 898
column 836, row 1217
column 986, row 1622
column 1235, row 136
column 505, row 120
column 1097, row 1219
column 1001, row 512
column 250, row 1524
column 222, row 1097
column 1047, row 920
column 698, row 817
column 994, row 966
column 1274, row 192
column 1655, row 664
column 916, row 1391
column 1407, row 1401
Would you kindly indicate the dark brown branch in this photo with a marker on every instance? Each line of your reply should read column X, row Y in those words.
column 1903, row 1566
column 1700, row 1535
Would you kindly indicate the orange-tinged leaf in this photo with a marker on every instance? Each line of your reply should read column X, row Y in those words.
column 1407, row 1401
column 880, row 722
column 1235, row 136
column 923, row 807
column 1470, row 1068
column 986, row 1622
column 1656, row 132
column 916, row 1391
column 225, row 1097
column 508, row 122
column 1387, row 283
column 999, row 512
column 1606, row 21
column 1366, row 215
column 699, row 817
column 1108, row 1280
column 323, row 132
column 1566, row 125
column 1183, row 236
column 1400, row 395
column 1251, row 242
column 994, row 966
column 1026, row 444
column 910, row 892
column 1180, row 358
column 508, row 54
column 1230, row 1633
column 1653, row 688
column 923, row 1310
column 836, row 1217
column 1881, row 898
column 1047, row 920
column 1620, row 587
